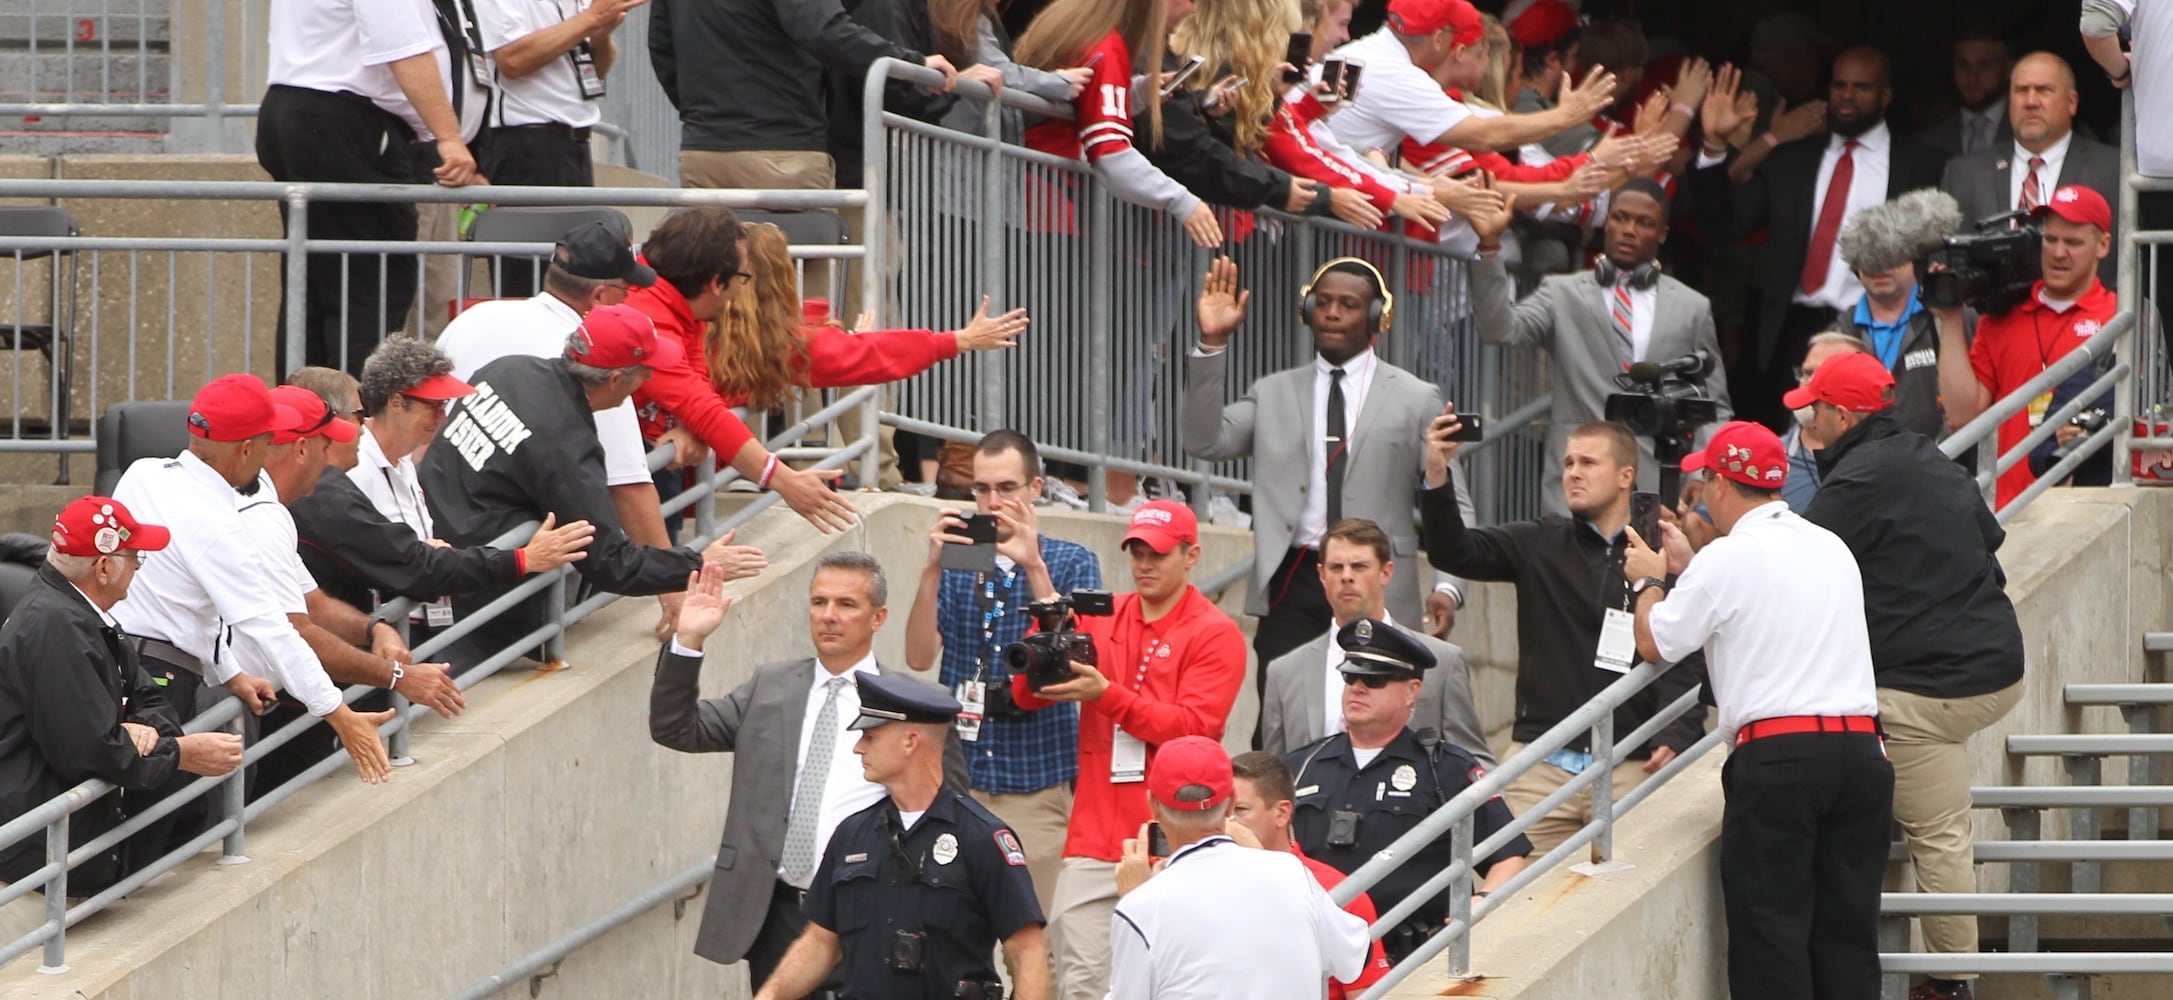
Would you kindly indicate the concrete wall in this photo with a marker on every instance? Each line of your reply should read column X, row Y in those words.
column 541, row 807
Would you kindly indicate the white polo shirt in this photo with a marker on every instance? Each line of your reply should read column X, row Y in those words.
column 1778, row 606
column 553, row 92
column 271, row 527
column 1221, row 921
column 845, row 790
column 538, row 328
column 392, row 486
column 336, row 45
column 1395, row 99
column 210, row 592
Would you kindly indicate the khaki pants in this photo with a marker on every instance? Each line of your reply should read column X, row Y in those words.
column 1567, row 818
column 1040, row 819
column 1086, row 900
column 1927, row 740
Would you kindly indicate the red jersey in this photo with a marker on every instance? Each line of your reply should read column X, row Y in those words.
column 1101, row 115
column 1360, row 906
column 840, row 358
column 2015, row 346
column 683, row 393
column 1175, row 676
column 1291, row 149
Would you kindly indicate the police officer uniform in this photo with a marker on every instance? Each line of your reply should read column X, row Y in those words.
column 1347, row 811
column 919, row 903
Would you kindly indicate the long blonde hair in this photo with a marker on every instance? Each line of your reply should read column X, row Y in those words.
column 756, row 355
column 958, row 25
column 1245, row 37
column 1494, row 86
column 1061, row 34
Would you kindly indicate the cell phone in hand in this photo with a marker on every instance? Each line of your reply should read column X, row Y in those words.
column 1157, row 841
column 1185, row 72
column 1474, row 428
column 1297, row 55
column 978, row 553
column 1331, row 77
column 1645, row 517
column 1350, row 80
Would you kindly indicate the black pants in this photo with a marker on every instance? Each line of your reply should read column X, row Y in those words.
column 540, row 155
column 1803, row 844
column 781, row 926
column 1755, row 389
column 190, row 697
column 1298, row 613
column 351, row 301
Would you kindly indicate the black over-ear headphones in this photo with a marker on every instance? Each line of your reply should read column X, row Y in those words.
column 1381, row 313
column 1642, row 276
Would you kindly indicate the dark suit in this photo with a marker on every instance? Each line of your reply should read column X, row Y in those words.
column 1780, row 198
column 1946, row 135
column 1980, row 183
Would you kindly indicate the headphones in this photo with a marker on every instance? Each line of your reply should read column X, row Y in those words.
column 1381, row 312
column 1641, row 277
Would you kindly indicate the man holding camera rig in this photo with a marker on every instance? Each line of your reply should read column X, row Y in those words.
column 2064, row 308
column 1022, row 763
column 1164, row 662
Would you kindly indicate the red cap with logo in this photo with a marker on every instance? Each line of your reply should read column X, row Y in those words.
column 1855, row 381
column 236, row 408
column 1190, row 774
column 1162, row 524
column 1745, row 452
column 2079, row 205
column 621, row 337
column 100, row 526
column 317, row 418
column 1543, row 23
column 1424, row 17
column 438, row 387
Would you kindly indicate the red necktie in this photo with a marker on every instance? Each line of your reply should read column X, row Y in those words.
column 1829, row 220
column 2032, row 194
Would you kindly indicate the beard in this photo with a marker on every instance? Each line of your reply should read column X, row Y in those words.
column 1852, row 129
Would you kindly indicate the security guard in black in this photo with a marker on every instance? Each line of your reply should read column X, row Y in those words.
column 918, row 903
column 1347, row 810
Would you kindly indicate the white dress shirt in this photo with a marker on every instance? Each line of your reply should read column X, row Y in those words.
column 1357, row 381
column 1980, row 129
column 210, row 592
column 350, row 45
column 1332, row 684
column 552, row 93
column 1219, row 921
column 2048, row 176
column 1867, row 189
column 538, row 328
column 1778, row 606
column 847, row 792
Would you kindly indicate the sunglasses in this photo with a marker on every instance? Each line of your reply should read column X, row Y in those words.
column 1373, row 682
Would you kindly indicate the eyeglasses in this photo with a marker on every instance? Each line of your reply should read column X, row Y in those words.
column 1006, row 490
column 1804, row 374
column 133, row 557
column 435, row 405
column 1373, row 682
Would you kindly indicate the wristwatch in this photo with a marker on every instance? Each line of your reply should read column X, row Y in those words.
column 1638, row 589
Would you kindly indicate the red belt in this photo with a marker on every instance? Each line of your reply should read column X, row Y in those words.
column 1788, row 725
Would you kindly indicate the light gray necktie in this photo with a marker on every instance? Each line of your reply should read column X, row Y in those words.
column 822, row 744
column 1980, row 133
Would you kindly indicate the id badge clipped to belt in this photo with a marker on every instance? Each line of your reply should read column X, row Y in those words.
column 439, row 613
column 584, row 70
column 1127, row 758
column 973, row 707
column 1617, row 651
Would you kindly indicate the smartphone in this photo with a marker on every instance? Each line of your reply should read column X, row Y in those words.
column 1645, row 517
column 1331, row 76
column 1350, row 79
column 1297, row 55
column 1157, row 841
column 1474, row 428
column 978, row 553
column 1185, row 72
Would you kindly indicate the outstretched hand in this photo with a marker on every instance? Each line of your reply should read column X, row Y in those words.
column 1222, row 304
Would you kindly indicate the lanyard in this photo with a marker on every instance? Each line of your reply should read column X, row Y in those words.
column 422, row 529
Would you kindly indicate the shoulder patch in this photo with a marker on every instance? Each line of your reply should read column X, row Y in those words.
column 1008, row 843
column 1477, row 771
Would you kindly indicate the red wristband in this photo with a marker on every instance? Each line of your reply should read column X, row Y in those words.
column 520, row 562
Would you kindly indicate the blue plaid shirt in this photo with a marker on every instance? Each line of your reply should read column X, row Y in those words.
column 1040, row 749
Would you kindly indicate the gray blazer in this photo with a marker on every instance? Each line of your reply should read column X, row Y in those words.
column 760, row 723
column 1292, row 714
column 1979, row 183
column 1946, row 136
column 1271, row 425
column 1567, row 316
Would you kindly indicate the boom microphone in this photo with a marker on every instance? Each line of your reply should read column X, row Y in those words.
column 1898, row 232
column 1694, row 365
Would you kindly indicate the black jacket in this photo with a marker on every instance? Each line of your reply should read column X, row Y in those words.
column 1916, row 373
column 907, row 23
column 359, row 556
column 67, row 682
column 524, row 445
column 1566, row 576
column 1935, row 598
column 1192, row 155
column 752, row 76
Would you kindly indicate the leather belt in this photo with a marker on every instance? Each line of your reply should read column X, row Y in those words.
column 170, row 654
column 1788, row 725
column 559, row 130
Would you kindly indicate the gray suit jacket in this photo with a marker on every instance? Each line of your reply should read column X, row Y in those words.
column 1272, row 425
column 1980, row 181
column 1293, row 713
column 1567, row 316
column 760, row 723
column 1946, row 136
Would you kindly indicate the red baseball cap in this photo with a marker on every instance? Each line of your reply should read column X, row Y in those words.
column 1745, row 452
column 621, row 336
column 1187, row 762
column 236, row 408
column 1855, row 382
column 1162, row 524
column 439, row 387
column 100, row 526
column 1424, row 17
column 317, row 418
column 2079, row 205
column 1543, row 23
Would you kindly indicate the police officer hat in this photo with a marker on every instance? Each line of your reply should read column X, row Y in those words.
column 1377, row 649
column 901, row 699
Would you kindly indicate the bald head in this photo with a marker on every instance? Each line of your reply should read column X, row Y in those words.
column 2041, row 100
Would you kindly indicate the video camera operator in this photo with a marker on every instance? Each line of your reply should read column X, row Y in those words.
column 2015, row 342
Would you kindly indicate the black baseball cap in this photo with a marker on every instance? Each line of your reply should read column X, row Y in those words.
column 591, row 250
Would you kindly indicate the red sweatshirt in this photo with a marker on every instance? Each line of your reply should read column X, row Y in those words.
column 683, row 394
column 1176, row 676
column 840, row 358
column 1289, row 148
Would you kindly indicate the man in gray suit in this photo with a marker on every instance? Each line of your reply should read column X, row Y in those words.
column 2046, row 154
column 1982, row 61
column 1303, row 700
column 1316, row 462
column 1596, row 323
column 795, row 777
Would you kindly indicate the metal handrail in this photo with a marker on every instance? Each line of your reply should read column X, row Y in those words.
column 511, row 194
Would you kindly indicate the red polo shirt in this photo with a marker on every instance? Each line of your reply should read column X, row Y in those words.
column 2015, row 346
column 1360, row 906
column 1175, row 676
